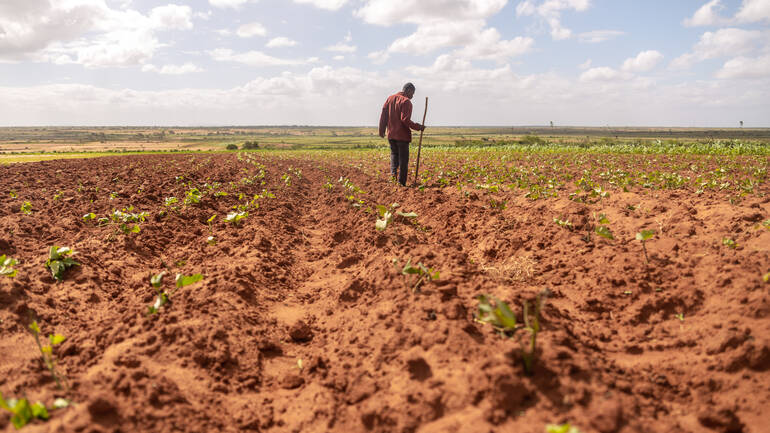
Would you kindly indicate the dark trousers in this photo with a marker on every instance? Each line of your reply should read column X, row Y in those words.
column 399, row 160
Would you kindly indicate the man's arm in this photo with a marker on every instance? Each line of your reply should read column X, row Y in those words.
column 406, row 116
column 383, row 119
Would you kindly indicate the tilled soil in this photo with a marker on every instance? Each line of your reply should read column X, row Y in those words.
column 304, row 323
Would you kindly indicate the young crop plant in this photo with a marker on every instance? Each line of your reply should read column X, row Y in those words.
column 729, row 242
column 642, row 237
column 47, row 353
column 602, row 229
column 387, row 215
column 766, row 224
column 22, row 412
column 26, row 208
column 563, row 223
column 163, row 298
column 235, row 218
column 498, row 314
column 210, row 221
column 561, row 428
column 6, row 266
column 59, row 261
column 193, row 196
column 423, row 273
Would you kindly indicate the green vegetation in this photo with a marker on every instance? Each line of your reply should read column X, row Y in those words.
column 418, row 272
column 642, row 237
column 164, row 297
column 561, row 428
column 26, row 208
column 6, row 266
column 59, row 261
column 46, row 351
column 22, row 412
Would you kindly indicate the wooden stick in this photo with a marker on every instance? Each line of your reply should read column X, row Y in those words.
column 419, row 148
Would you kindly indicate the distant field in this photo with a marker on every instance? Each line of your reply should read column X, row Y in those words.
column 82, row 141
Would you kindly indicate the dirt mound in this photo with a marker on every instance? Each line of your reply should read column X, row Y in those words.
column 304, row 322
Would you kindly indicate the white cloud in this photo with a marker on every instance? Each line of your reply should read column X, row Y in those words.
column 706, row 15
column 338, row 58
column 389, row 12
column 745, row 67
column 251, row 58
column 585, row 65
column 643, row 62
column 603, row 74
column 332, row 5
column 281, row 41
column 186, row 68
column 550, row 11
column 596, row 36
column 343, row 47
column 235, row 4
column 172, row 17
column 250, row 30
column 753, row 11
column 86, row 32
column 722, row 43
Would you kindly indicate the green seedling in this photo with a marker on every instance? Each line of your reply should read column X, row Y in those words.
column 193, row 196
column 170, row 201
column 420, row 270
column 643, row 236
column 604, row 232
column 329, row 186
column 235, row 218
column 13, row 194
column 47, row 353
column 58, row 195
column 502, row 318
column 89, row 216
column 211, row 241
column 386, row 216
column 26, row 208
column 210, row 221
column 680, row 316
column 563, row 223
column 59, row 261
column 22, row 412
column 729, row 242
column 766, row 277
column 561, row 428
column 497, row 204
column 532, row 325
column 6, row 266
column 766, row 224
column 497, row 313
column 163, row 298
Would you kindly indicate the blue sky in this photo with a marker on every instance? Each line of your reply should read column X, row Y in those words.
column 333, row 62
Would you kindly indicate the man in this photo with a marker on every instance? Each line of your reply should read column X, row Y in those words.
column 397, row 117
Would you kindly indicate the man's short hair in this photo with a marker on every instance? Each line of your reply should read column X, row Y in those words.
column 408, row 87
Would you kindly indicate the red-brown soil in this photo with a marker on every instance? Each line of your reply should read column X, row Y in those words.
column 307, row 277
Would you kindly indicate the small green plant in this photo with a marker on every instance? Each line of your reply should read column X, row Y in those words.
column 22, row 412
column 766, row 277
column 604, row 232
column 498, row 204
column 13, row 194
column 163, row 298
column 47, row 352
column 210, row 221
column 766, row 224
column 58, row 195
column 59, row 261
column 422, row 272
column 89, row 216
column 235, row 218
column 387, row 215
column 680, row 316
column 563, row 223
column 729, row 242
column 561, row 428
column 26, row 208
column 6, row 266
column 193, row 196
column 232, row 146
column 642, row 237
column 211, row 240
column 498, row 314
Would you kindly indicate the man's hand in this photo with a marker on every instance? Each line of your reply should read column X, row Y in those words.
column 422, row 127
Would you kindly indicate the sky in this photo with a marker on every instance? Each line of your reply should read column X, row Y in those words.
column 334, row 62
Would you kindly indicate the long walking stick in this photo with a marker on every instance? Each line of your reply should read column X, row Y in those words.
column 419, row 148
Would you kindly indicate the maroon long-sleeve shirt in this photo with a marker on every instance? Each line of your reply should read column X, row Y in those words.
column 397, row 117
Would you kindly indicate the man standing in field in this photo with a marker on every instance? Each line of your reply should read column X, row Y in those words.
column 397, row 117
